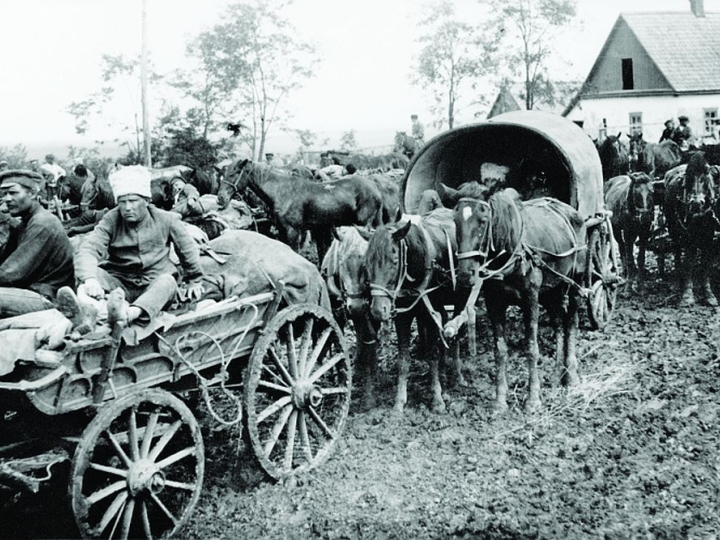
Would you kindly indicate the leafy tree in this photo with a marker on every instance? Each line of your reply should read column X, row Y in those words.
column 16, row 156
column 454, row 57
column 90, row 157
column 120, row 91
column 308, row 139
column 255, row 56
column 529, row 29
column 348, row 141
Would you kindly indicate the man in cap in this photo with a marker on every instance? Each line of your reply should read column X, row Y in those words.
column 38, row 258
column 683, row 133
column 418, row 130
column 3, row 165
column 136, row 238
column 667, row 133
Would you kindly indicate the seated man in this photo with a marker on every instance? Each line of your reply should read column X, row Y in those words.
column 130, row 250
column 38, row 257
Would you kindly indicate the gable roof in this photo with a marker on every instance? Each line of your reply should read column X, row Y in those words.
column 505, row 102
column 685, row 48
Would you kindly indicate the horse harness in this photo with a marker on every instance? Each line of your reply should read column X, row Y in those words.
column 522, row 254
column 422, row 290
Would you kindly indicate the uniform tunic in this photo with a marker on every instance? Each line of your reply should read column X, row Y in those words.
column 38, row 255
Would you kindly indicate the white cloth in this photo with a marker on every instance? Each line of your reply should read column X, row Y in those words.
column 53, row 168
column 131, row 180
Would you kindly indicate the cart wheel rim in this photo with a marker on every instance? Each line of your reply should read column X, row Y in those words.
column 138, row 470
column 603, row 289
column 297, row 391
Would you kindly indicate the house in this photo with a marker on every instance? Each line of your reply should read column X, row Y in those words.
column 653, row 67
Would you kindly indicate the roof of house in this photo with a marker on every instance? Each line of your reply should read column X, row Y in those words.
column 511, row 97
column 505, row 102
column 685, row 48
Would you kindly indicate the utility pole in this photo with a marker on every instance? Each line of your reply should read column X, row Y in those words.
column 144, row 86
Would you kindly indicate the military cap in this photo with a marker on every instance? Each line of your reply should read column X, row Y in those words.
column 683, row 117
column 28, row 179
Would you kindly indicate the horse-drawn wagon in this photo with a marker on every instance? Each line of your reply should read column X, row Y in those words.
column 111, row 409
column 542, row 154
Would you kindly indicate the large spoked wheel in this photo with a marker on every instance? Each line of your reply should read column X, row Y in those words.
column 297, row 390
column 138, row 470
column 602, row 276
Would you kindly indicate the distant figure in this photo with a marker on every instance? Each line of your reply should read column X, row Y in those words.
column 667, row 134
column 270, row 159
column 683, row 134
column 3, row 165
column 418, row 130
column 53, row 168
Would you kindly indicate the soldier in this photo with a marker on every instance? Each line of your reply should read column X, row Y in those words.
column 418, row 130
column 683, row 134
column 669, row 130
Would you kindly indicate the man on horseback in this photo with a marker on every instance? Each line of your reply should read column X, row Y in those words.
column 135, row 236
column 668, row 132
column 683, row 134
column 418, row 130
column 37, row 259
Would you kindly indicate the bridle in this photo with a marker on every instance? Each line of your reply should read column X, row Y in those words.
column 486, row 242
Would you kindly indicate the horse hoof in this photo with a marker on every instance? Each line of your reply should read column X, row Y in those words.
column 499, row 409
column 687, row 301
column 711, row 301
column 438, row 407
column 532, row 406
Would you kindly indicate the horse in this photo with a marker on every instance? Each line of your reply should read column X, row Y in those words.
column 630, row 198
column 405, row 144
column 390, row 193
column 691, row 206
column 298, row 205
column 407, row 266
column 613, row 157
column 523, row 254
column 654, row 159
column 345, row 276
column 381, row 163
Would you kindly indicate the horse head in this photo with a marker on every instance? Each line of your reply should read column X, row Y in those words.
column 386, row 267
column 641, row 202
column 348, row 268
column 637, row 145
column 237, row 177
column 700, row 188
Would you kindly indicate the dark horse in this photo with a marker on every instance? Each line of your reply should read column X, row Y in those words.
column 613, row 157
column 405, row 144
column 298, row 204
column 97, row 193
column 630, row 198
column 691, row 203
column 654, row 159
column 404, row 264
column 530, row 253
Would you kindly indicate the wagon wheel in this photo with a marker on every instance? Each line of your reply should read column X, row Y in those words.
column 138, row 470
column 297, row 390
column 601, row 276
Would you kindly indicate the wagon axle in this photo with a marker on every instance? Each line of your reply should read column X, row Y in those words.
column 145, row 475
column 305, row 394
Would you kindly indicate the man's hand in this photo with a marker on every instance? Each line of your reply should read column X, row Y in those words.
column 93, row 289
column 194, row 291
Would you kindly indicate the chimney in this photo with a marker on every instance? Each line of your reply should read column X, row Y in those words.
column 698, row 7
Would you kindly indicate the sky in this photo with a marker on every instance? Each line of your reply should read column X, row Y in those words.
column 50, row 54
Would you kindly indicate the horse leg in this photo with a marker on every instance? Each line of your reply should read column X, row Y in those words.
column 402, row 327
column 642, row 247
column 556, row 309
column 619, row 238
column 706, row 261
column 570, row 331
column 496, row 308
column 438, row 404
column 686, row 269
column 323, row 239
column 531, row 312
column 629, row 241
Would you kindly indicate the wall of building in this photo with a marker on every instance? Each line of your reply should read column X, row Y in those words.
column 607, row 75
column 655, row 111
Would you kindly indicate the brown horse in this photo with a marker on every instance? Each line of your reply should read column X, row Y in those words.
column 654, row 159
column 407, row 269
column 298, row 205
column 529, row 253
column 630, row 198
column 691, row 206
column 405, row 144
column 613, row 157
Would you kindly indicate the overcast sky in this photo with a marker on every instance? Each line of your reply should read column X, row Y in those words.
column 50, row 53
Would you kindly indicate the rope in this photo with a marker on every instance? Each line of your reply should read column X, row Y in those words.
column 224, row 362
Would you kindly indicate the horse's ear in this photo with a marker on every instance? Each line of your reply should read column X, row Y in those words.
column 398, row 214
column 401, row 233
column 619, row 134
column 365, row 233
column 335, row 233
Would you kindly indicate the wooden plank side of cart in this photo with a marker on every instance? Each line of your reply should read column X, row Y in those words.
column 204, row 339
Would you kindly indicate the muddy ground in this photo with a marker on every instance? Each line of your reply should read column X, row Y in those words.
column 632, row 452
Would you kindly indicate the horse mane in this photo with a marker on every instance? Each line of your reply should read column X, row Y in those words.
column 640, row 178
column 349, row 241
column 506, row 220
column 473, row 190
column 379, row 247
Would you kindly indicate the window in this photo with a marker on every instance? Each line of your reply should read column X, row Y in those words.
column 711, row 120
column 627, row 74
column 635, row 123
column 602, row 135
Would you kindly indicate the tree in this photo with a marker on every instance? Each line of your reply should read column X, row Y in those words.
column 16, row 156
column 529, row 29
column 454, row 57
column 120, row 91
column 348, row 141
column 308, row 139
column 257, row 58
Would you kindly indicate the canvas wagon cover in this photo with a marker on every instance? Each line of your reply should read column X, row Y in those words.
column 520, row 140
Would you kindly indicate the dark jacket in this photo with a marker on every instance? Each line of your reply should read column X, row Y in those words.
column 141, row 250
column 38, row 255
column 667, row 135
